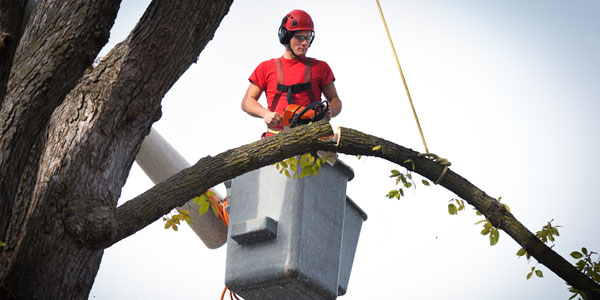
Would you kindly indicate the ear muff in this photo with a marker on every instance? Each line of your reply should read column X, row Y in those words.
column 283, row 34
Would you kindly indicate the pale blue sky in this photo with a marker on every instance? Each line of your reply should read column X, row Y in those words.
column 506, row 90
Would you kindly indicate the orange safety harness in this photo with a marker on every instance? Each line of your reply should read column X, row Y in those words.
column 295, row 88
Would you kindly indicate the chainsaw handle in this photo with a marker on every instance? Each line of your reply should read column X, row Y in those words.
column 320, row 109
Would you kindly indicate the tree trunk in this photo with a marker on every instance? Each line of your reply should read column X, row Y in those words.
column 62, row 176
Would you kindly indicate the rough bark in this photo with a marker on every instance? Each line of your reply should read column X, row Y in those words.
column 11, row 16
column 210, row 171
column 61, row 42
column 78, row 160
column 64, row 158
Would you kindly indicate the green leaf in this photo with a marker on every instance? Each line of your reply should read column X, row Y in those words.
column 425, row 182
column 576, row 255
column 401, row 192
column 452, row 209
column 376, row 148
column 305, row 172
column 460, row 203
column 200, row 199
column 580, row 265
column 529, row 275
column 539, row 273
column 402, row 178
column 494, row 237
column 584, row 250
column 411, row 162
column 2, row 244
column 521, row 252
column 574, row 295
column 287, row 174
column 203, row 208
column 315, row 170
column 359, row 156
column 392, row 194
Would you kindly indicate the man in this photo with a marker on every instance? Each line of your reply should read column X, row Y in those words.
column 292, row 78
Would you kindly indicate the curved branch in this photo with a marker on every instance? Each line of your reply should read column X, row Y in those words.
column 210, row 171
column 355, row 142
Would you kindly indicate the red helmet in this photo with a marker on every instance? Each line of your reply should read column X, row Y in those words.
column 295, row 20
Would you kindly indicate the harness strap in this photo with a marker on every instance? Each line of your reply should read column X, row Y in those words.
column 307, row 79
column 295, row 88
column 279, row 81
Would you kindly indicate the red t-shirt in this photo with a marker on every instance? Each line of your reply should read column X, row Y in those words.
column 265, row 77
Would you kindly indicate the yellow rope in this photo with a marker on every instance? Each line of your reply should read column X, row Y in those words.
column 402, row 75
column 444, row 162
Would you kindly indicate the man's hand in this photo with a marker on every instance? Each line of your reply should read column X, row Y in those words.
column 272, row 119
column 329, row 114
column 335, row 104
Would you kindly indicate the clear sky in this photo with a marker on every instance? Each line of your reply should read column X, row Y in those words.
column 506, row 90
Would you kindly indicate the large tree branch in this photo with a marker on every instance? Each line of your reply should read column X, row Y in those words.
column 209, row 171
column 355, row 142
column 115, row 104
column 148, row 207
column 61, row 41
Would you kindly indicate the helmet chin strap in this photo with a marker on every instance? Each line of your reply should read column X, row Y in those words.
column 290, row 48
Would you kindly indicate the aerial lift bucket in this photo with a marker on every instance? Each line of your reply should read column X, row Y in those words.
column 291, row 239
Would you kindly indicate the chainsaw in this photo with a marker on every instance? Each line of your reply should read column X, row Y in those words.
column 294, row 114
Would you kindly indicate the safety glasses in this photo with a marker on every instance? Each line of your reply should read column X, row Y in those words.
column 301, row 38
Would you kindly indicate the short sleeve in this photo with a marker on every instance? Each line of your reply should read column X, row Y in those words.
column 326, row 74
column 259, row 76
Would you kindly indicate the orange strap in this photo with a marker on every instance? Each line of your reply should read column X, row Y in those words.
column 223, row 215
column 307, row 79
column 279, row 81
